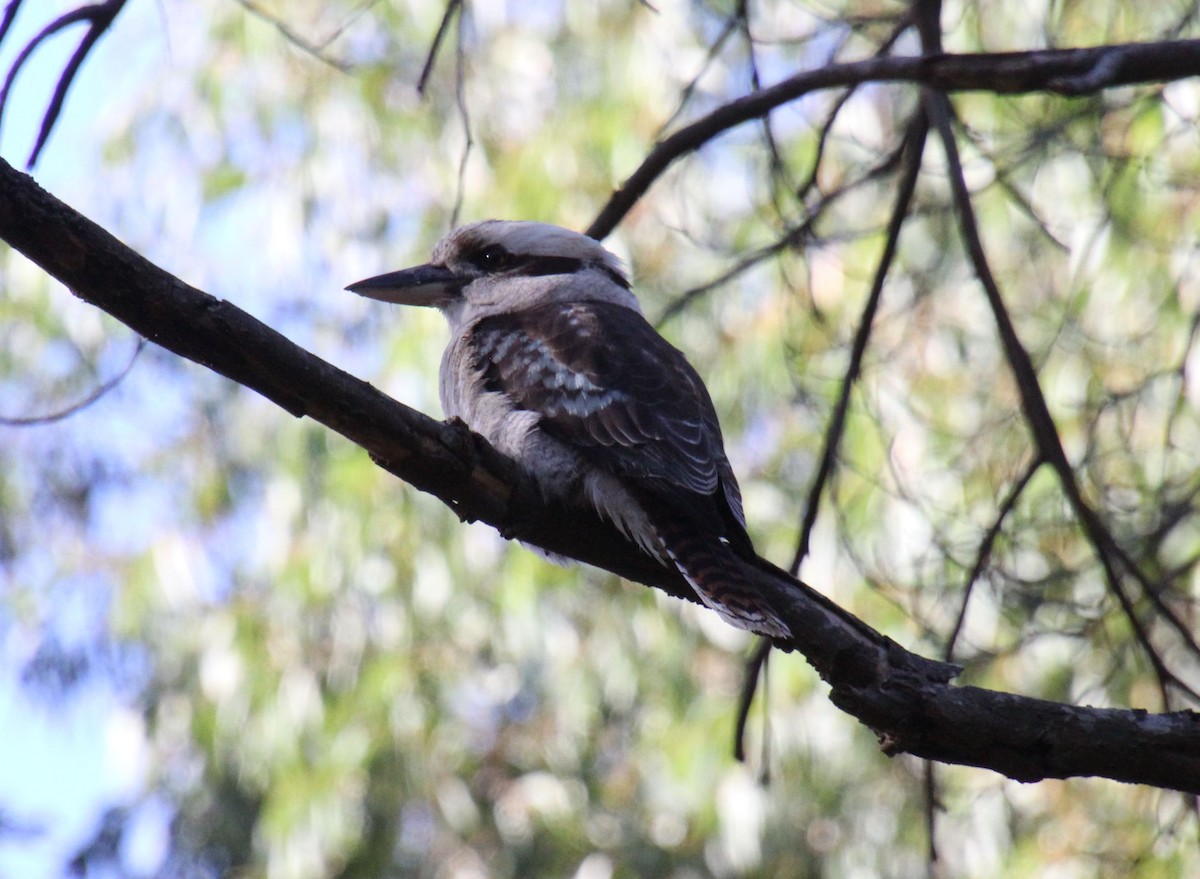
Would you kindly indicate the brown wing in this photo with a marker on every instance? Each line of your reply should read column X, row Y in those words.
column 603, row 380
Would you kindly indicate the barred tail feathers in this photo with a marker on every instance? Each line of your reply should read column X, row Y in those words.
column 722, row 580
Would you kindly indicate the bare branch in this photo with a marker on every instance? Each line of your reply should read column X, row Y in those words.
column 1057, row 70
column 755, row 668
column 914, row 146
column 904, row 698
column 1041, row 422
column 792, row 238
column 66, row 412
column 714, row 50
column 101, row 16
column 464, row 114
column 984, row 553
column 452, row 7
column 316, row 50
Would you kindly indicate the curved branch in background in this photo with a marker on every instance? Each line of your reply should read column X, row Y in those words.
column 1069, row 72
column 100, row 17
column 984, row 553
column 95, row 394
column 314, row 48
column 793, row 238
column 839, row 104
column 905, row 699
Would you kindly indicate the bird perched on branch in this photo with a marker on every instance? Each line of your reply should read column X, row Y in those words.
column 551, row 361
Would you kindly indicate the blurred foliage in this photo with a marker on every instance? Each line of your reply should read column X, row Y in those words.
column 333, row 677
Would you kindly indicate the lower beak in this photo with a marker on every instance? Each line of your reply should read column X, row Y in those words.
column 421, row 285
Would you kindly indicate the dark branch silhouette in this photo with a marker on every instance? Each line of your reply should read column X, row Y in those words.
column 1069, row 72
column 99, row 16
column 914, row 146
column 452, row 7
column 904, row 698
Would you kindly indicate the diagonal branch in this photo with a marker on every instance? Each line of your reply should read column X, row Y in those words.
column 904, row 698
column 984, row 553
column 316, row 49
column 826, row 127
column 104, row 388
column 99, row 16
column 914, row 147
column 1064, row 71
column 793, row 238
column 1037, row 412
column 452, row 7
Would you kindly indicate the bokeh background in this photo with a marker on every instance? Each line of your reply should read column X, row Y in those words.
column 230, row 645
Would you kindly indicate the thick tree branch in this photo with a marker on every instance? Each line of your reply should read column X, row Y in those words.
column 445, row 460
column 904, row 698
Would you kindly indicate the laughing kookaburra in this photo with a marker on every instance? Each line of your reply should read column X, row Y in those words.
column 552, row 362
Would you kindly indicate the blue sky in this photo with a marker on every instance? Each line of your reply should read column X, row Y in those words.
column 64, row 760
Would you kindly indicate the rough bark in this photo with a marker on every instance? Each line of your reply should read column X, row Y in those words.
column 906, row 699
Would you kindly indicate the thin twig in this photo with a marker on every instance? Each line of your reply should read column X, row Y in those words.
column 913, row 148
column 460, row 100
column 931, row 810
column 316, row 50
column 998, row 73
column 66, row 412
column 984, row 553
column 714, row 49
column 778, row 168
column 839, row 103
column 791, row 239
column 756, row 664
column 430, row 59
column 1037, row 413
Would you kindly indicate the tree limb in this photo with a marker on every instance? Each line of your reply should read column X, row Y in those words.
column 904, row 698
column 99, row 17
column 1069, row 72
column 1037, row 413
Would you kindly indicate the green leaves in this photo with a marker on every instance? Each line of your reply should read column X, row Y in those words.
column 340, row 678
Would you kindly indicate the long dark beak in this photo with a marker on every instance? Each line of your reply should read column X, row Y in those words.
column 421, row 285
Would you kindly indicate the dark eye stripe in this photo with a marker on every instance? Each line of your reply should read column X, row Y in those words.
column 534, row 266
column 494, row 259
column 548, row 265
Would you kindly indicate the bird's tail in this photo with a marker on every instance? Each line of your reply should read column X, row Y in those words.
column 747, row 592
column 751, row 593
column 722, row 580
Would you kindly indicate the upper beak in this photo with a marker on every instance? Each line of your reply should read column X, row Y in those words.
column 421, row 285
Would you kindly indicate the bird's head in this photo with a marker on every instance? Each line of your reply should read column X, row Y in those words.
column 505, row 265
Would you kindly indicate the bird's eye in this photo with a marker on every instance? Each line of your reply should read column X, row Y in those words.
column 492, row 258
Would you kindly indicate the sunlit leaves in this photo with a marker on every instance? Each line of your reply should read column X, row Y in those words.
column 341, row 677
